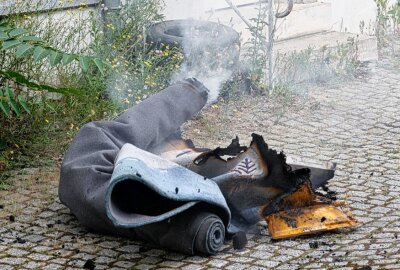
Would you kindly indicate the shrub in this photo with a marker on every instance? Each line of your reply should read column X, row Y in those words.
column 139, row 69
column 36, row 126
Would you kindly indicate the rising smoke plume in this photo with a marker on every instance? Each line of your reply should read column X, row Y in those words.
column 211, row 55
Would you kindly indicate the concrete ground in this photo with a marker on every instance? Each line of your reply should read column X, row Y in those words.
column 356, row 124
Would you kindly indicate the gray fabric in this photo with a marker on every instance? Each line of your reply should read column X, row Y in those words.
column 89, row 162
column 146, row 188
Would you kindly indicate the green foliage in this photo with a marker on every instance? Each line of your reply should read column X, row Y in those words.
column 293, row 70
column 19, row 41
column 257, row 55
column 21, row 80
column 10, row 103
column 27, row 45
column 55, row 57
column 318, row 66
column 387, row 22
column 394, row 14
column 138, row 69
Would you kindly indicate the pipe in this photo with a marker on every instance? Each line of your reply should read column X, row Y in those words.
column 287, row 11
column 249, row 25
column 237, row 11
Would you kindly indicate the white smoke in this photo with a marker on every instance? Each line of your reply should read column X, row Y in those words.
column 210, row 57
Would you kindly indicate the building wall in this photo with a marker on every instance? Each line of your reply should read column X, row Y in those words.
column 195, row 9
column 350, row 15
column 344, row 15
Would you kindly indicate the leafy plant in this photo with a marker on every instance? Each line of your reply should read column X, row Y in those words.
column 9, row 102
column 317, row 66
column 387, row 23
column 257, row 54
column 22, row 44
column 394, row 15
column 292, row 69
column 29, row 45
column 138, row 68
column 118, row 44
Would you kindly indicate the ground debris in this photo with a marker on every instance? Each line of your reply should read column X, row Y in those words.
column 239, row 240
column 89, row 264
column 20, row 240
column 364, row 268
column 314, row 244
column 330, row 193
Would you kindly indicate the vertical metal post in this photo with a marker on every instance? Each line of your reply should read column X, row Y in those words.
column 270, row 51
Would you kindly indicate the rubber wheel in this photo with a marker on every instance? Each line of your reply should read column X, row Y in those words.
column 205, row 43
column 172, row 33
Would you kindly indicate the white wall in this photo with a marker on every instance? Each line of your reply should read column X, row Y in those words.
column 348, row 14
column 196, row 9
column 201, row 9
column 310, row 18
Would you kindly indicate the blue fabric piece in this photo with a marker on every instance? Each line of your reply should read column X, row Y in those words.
column 167, row 179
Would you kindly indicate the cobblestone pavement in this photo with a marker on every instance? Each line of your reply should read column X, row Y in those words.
column 356, row 125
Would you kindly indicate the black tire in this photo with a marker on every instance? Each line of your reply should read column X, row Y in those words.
column 205, row 43
column 172, row 33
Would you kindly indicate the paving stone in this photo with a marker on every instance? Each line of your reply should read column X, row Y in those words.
column 39, row 257
column 53, row 267
column 266, row 263
column 124, row 264
column 150, row 260
column 237, row 266
column 171, row 264
column 6, row 267
column 17, row 252
column 192, row 267
column 144, row 267
column 34, row 265
column 216, row 263
column 12, row 261
column 104, row 260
